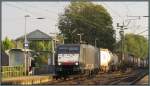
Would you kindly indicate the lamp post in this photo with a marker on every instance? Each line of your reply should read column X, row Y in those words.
column 25, row 40
column 26, row 46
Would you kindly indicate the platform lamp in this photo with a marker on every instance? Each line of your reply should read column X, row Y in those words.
column 26, row 44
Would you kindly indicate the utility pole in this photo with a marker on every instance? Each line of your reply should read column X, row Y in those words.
column 63, row 36
column 63, row 40
column 53, row 52
column 122, row 28
column 80, row 37
column 96, row 42
column 54, row 40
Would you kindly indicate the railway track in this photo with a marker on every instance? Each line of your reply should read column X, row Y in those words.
column 72, row 79
column 82, row 79
column 130, row 79
column 100, row 79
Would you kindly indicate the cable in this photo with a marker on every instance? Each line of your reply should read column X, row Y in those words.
column 46, row 10
column 142, row 32
column 25, row 10
column 52, row 12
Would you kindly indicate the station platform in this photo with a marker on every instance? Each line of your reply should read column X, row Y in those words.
column 35, row 79
column 143, row 81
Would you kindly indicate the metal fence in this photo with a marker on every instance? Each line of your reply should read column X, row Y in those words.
column 12, row 71
column 48, row 69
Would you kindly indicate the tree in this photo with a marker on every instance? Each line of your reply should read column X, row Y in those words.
column 7, row 44
column 136, row 45
column 42, row 49
column 90, row 19
column 40, row 45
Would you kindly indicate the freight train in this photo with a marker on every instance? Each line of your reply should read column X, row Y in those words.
column 136, row 62
column 87, row 59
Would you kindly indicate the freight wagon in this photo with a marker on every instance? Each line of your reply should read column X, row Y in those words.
column 73, row 58
column 108, row 60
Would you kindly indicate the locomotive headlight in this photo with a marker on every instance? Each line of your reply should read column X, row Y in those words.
column 59, row 63
column 76, row 63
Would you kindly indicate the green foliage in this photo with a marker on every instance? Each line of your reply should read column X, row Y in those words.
column 20, row 44
column 88, row 18
column 40, row 45
column 136, row 45
column 42, row 58
column 7, row 44
column 43, row 48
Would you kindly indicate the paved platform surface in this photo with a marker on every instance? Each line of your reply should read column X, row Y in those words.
column 36, row 79
column 143, row 81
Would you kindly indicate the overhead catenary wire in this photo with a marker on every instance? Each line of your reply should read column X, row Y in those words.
column 11, row 5
column 30, row 12
column 51, row 18
column 142, row 32
column 50, row 13
column 25, row 10
column 46, row 10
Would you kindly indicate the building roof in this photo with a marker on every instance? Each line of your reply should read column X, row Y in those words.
column 36, row 35
column 20, row 49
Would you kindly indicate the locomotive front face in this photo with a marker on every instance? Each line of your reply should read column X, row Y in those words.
column 68, row 55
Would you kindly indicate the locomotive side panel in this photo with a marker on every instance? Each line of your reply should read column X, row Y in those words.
column 89, row 57
column 82, row 55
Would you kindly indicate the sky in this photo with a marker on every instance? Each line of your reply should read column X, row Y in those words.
column 13, row 20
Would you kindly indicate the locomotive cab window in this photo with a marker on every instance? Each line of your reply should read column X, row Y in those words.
column 68, row 49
